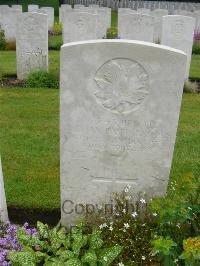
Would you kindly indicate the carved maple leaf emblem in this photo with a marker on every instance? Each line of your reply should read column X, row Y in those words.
column 122, row 85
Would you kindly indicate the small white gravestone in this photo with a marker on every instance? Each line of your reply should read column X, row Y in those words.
column 103, row 19
column 143, row 11
column 18, row 7
column 178, row 32
column 31, row 43
column 136, row 26
column 183, row 13
column 49, row 11
column 33, row 8
column 102, row 23
column 4, row 9
column 122, row 11
column 62, row 10
column 79, row 26
column 78, row 6
column 94, row 6
column 118, row 118
column 9, row 22
column 158, row 14
column 3, row 205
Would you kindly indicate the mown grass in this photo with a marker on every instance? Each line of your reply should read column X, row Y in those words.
column 30, row 146
column 55, row 42
column 8, row 67
column 114, row 19
column 29, row 138
column 195, row 67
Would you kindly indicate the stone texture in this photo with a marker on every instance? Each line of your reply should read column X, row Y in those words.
column 9, row 22
column 79, row 26
column 32, row 8
column 4, row 9
column 136, row 26
column 103, row 22
column 183, row 13
column 78, row 6
column 143, row 11
column 18, row 7
column 177, row 32
column 122, row 11
column 119, row 117
column 158, row 14
column 3, row 205
column 31, row 43
column 94, row 6
column 62, row 10
column 49, row 11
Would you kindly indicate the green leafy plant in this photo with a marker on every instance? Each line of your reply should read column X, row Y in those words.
column 190, row 87
column 196, row 48
column 127, row 222
column 11, row 46
column 178, row 214
column 165, row 250
column 56, row 247
column 55, row 42
column 57, row 28
column 2, row 41
column 112, row 33
column 42, row 79
column 191, row 253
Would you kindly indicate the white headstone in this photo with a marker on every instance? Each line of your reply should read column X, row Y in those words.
column 119, row 117
column 183, row 13
column 94, row 6
column 143, row 11
column 49, row 11
column 32, row 43
column 64, row 8
column 79, row 26
column 4, row 9
column 18, row 7
column 32, row 8
column 122, row 11
column 103, row 22
column 178, row 32
column 3, row 205
column 136, row 27
column 9, row 22
column 103, row 19
column 78, row 6
column 158, row 14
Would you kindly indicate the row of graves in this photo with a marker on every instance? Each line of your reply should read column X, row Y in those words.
column 10, row 15
column 115, row 4
column 119, row 104
column 30, row 29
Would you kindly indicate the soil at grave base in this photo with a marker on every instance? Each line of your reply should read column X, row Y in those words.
column 20, row 215
column 11, row 81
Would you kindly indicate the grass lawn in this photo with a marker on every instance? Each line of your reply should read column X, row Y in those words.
column 114, row 19
column 30, row 146
column 8, row 68
column 29, row 138
column 9, row 62
column 195, row 67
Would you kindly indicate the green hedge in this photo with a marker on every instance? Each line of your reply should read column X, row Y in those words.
column 25, row 3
